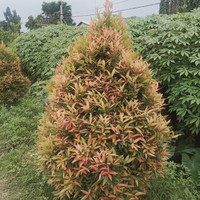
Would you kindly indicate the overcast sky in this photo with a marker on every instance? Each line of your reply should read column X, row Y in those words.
column 26, row 8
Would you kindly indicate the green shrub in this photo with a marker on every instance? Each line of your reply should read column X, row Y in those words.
column 187, row 152
column 175, row 185
column 7, row 36
column 171, row 44
column 12, row 83
column 38, row 89
column 18, row 123
column 103, row 135
column 41, row 50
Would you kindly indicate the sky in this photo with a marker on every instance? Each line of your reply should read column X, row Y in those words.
column 79, row 8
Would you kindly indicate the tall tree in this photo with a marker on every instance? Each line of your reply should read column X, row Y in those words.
column 52, row 11
column 10, row 27
column 164, row 7
column 190, row 5
column 12, row 16
column 51, row 15
column 174, row 6
column 34, row 23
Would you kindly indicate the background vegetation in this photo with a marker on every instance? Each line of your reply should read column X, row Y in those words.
column 41, row 50
column 10, row 27
column 12, row 82
column 175, row 6
column 51, row 15
column 171, row 45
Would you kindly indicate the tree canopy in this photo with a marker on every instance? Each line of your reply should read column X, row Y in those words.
column 51, row 15
column 191, row 4
column 175, row 6
column 10, row 27
column 12, row 16
column 11, row 19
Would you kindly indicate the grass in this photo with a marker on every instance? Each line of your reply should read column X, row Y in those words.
column 18, row 134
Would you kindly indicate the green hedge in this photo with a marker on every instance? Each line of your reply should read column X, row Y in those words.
column 171, row 44
column 42, row 49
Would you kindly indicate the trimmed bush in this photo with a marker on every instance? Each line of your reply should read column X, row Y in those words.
column 171, row 44
column 103, row 135
column 12, row 83
column 41, row 50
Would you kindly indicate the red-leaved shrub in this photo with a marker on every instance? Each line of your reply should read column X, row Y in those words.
column 12, row 83
column 103, row 135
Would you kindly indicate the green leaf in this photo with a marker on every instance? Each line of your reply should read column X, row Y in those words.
column 193, row 163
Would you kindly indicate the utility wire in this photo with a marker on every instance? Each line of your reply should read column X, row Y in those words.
column 115, row 2
column 120, row 2
column 100, row 7
column 134, row 8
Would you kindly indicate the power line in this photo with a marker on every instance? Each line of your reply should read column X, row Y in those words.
column 100, row 6
column 134, row 8
column 115, row 2
column 120, row 2
column 153, row 4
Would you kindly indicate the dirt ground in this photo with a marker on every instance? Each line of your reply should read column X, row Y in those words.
column 4, row 193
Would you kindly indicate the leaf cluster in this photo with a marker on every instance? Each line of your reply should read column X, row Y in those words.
column 175, row 184
column 7, row 36
column 12, row 82
column 171, row 45
column 41, row 50
column 187, row 152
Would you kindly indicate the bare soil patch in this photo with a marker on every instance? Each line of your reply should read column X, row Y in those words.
column 4, row 192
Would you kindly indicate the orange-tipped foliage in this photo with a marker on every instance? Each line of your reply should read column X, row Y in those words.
column 103, row 135
column 12, row 83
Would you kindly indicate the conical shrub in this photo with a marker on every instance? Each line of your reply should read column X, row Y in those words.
column 103, row 135
column 12, row 82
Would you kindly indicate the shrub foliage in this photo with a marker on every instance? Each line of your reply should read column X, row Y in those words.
column 176, row 184
column 41, row 50
column 103, row 135
column 7, row 36
column 12, row 83
column 171, row 45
